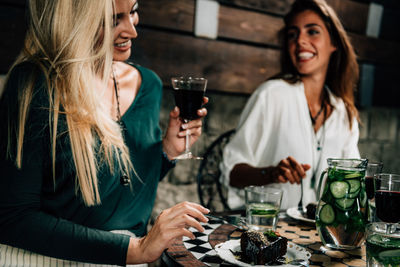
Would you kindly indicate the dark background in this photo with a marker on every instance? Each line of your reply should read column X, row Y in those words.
column 246, row 51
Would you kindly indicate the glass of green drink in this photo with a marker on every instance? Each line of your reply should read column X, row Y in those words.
column 262, row 207
column 383, row 249
column 341, row 213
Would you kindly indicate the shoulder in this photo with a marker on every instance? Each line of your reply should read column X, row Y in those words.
column 277, row 89
column 337, row 103
column 341, row 115
column 149, row 77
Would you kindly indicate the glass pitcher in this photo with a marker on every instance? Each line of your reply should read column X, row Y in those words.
column 342, row 208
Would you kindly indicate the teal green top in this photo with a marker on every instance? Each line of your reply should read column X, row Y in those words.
column 51, row 219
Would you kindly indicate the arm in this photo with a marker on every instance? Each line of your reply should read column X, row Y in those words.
column 174, row 140
column 254, row 175
column 23, row 223
column 171, row 224
column 247, row 159
column 288, row 170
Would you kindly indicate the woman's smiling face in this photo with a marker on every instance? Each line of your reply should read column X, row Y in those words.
column 125, row 20
column 309, row 43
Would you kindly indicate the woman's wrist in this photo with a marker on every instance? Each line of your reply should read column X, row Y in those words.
column 168, row 150
column 134, row 254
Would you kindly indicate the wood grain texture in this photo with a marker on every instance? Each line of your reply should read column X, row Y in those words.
column 353, row 15
column 249, row 26
column 375, row 50
column 229, row 67
column 177, row 14
column 278, row 7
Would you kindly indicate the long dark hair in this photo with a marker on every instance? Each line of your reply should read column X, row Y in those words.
column 342, row 75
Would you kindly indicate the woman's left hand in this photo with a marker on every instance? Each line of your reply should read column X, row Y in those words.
column 174, row 140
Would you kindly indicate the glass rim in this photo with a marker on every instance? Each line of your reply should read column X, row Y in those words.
column 375, row 163
column 347, row 163
column 348, row 159
column 387, row 176
column 261, row 189
column 188, row 78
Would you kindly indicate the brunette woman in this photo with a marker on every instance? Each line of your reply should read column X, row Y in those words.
column 293, row 122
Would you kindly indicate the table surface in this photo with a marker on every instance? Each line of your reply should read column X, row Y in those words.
column 200, row 252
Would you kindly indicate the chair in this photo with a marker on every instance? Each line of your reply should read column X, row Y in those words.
column 212, row 194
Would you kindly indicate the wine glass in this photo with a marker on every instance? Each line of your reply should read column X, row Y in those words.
column 189, row 93
column 373, row 168
column 387, row 199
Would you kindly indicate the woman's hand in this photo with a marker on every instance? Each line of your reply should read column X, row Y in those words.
column 174, row 140
column 289, row 170
column 171, row 224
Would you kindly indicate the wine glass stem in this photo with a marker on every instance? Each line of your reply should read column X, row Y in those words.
column 187, row 139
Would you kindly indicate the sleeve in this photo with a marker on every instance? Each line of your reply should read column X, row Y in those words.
column 350, row 149
column 252, row 134
column 166, row 165
column 23, row 223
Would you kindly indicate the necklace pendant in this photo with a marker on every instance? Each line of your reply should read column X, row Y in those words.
column 319, row 146
column 125, row 181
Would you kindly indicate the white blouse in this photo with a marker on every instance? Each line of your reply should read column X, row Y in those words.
column 275, row 124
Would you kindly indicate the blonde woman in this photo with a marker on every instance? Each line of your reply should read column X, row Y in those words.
column 81, row 151
column 296, row 120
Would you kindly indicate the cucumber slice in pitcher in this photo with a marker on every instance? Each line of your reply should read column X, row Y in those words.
column 345, row 203
column 327, row 214
column 352, row 175
column 353, row 195
column 355, row 187
column 339, row 189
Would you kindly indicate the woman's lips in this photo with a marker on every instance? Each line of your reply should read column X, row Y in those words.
column 305, row 55
column 123, row 46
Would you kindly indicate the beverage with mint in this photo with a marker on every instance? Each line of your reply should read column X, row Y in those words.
column 262, row 207
column 342, row 210
column 261, row 216
column 382, row 249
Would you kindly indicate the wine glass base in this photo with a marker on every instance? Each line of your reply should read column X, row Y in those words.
column 188, row 155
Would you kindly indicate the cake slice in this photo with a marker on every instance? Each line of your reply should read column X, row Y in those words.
column 262, row 248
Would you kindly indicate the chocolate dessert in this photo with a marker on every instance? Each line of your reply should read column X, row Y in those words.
column 262, row 248
column 311, row 209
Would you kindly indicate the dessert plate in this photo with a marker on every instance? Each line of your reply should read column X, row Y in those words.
column 295, row 214
column 227, row 249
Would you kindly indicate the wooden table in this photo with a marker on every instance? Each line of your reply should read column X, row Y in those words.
column 199, row 252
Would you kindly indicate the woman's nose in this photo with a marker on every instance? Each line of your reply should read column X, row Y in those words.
column 129, row 28
column 301, row 38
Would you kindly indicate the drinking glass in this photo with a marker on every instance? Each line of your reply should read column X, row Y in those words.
column 262, row 207
column 383, row 250
column 189, row 93
column 342, row 209
column 373, row 168
column 387, row 200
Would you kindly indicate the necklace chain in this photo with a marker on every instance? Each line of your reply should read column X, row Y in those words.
column 124, row 179
column 116, row 90
column 314, row 119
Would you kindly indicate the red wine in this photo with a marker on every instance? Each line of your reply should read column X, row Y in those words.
column 388, row 206
column 188, row 102
column 369, row 187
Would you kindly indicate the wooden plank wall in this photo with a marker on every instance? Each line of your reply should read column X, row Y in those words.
column 247, row 48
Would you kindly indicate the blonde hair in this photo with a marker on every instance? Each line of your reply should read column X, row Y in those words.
column 71, row 41
column 342, row 76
